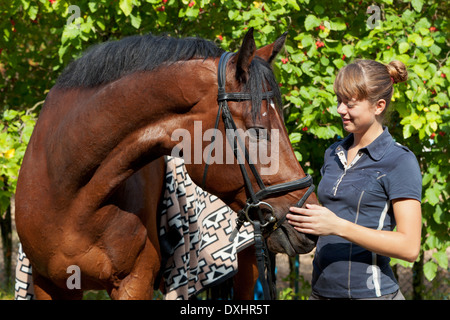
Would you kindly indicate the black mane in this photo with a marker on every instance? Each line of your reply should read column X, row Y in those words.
column 109, row 61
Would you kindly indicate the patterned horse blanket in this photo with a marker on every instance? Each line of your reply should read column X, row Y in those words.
column 203, row 256
column 194, row 229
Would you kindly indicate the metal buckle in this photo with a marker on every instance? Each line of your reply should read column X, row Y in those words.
column 248, row 206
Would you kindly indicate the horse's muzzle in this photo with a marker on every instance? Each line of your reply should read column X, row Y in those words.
column 288, row 240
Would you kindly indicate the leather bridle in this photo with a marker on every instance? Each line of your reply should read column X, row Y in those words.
column 254, row 202
column 255, row 199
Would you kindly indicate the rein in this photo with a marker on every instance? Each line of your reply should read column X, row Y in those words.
column 254, row 202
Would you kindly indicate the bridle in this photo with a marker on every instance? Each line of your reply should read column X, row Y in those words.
column 254, row 202
column 255, row 199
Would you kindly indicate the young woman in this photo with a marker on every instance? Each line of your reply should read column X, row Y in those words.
column 370, row 184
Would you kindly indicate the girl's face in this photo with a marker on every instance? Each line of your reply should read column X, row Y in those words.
column 358, row 116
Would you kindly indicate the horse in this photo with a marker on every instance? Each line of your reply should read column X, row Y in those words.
column 89, row 183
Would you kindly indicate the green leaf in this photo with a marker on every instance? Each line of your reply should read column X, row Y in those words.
column 338, row 24
column 339, row 63
column 403, row 47
column 9, row 115
column 268, row 29
column 403, row 263
column 307, row 68
column 295, row 137
column 293, row 4
column 415, row 38
column 126, row 6
column 441, row 98
column 438, row 214
column 430, row 270
column 427, row 42
column 305, row 93
column 323, row 132
column 100, row 24
column 408, row 130
column 233, row 14
column 432, row 195
column 136, row 20
column 419, row 70
column 347, row 50
column 435, row 49
column 307, row 40
column 311, row 22
column 403, row 58
column 32, row 12
column 324, row 61
column 192, row 12
column 417, row 5
column 441, row 258
column 93, row 6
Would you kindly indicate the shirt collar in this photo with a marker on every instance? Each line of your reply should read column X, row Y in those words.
column 376, row 149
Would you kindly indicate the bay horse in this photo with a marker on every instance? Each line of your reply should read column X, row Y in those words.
column 89, row 182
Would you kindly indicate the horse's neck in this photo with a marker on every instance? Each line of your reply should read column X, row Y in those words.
column 116, row 130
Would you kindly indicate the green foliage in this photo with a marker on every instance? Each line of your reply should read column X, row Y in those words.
column 38, row 38
column 15, row 132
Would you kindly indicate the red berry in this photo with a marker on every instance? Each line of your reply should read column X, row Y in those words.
column 319, row 44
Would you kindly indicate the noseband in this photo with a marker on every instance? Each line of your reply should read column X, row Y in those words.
column 254, row 202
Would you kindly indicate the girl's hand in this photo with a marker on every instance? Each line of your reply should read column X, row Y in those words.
column 316, row 220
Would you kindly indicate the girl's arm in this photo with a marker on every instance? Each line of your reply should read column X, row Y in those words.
column 403, row 244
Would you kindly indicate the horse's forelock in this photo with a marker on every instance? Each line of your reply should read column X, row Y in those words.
column 261, row 79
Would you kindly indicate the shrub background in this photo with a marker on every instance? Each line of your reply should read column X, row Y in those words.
column 38, row 38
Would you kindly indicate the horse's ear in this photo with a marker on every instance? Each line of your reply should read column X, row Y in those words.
column 270, row 51
column 245, row 56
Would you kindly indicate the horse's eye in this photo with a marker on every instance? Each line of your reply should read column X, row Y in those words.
column 259, row 133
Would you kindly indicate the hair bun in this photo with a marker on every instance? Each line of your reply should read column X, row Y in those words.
column 397, row 70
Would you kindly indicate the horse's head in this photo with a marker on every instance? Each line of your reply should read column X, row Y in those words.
column 270, row 180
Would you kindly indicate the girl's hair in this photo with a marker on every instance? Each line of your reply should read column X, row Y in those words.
column 369, row 79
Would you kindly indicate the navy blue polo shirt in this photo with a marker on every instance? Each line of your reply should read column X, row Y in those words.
column 361, row 192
